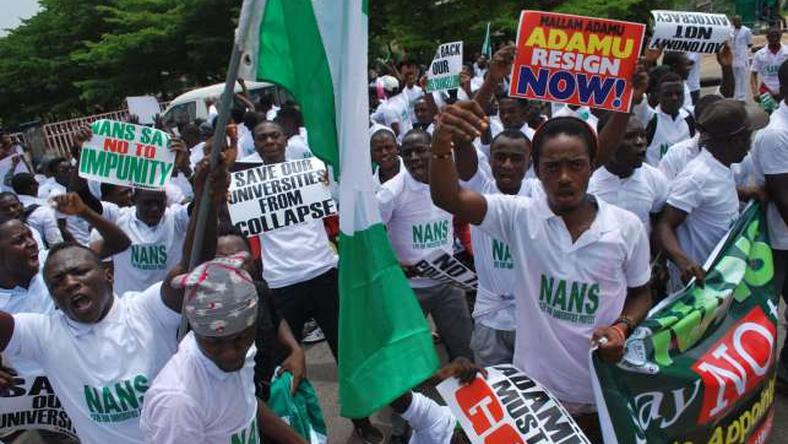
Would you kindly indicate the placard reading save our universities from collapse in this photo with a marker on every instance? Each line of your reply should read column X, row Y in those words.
column 122, row 153
column 576, row 60
column 269, row 197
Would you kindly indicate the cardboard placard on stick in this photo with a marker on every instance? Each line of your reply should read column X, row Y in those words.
column 576, row 60
column 509, row 407
column 270, row 197
column 445, row 69
column 125, row 154
column 690, row 31
column 444, row 267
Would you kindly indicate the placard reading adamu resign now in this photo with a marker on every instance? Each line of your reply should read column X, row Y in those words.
column 125, row 154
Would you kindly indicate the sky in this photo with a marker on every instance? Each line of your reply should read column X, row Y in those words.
column 14, row 11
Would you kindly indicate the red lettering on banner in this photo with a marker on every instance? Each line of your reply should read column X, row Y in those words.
column 736, row 364
column 116, row 145
column 482, row 408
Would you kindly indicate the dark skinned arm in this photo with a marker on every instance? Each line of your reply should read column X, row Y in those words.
column 295, row 363
column 466, row 159
column 500, row 67
column 217, row 180
column 725, row 59
column 613, row 132
column 665, row 234
column 636, row 308
column 777, row 187
column 463, row 121
column 274, row 429
column 113, row 239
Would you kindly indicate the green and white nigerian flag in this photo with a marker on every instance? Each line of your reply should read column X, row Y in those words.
column 317, row 49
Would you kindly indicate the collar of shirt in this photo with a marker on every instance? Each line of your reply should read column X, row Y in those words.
column 601, row 224
column 209, row 366
column 6, row 294
column 411, row 182
column 712, row 162
column 114, row 316
column 682, row 114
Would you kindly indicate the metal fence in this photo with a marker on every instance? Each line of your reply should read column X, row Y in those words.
column 59, row 134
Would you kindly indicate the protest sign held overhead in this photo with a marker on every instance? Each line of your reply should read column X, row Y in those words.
column 269, row 197
column 509, row 407
column 576, row 60
column 701, row 367
column 444, row 72
column 444, row 267
column 122, row 153
column 30, row 403
column 690, row 31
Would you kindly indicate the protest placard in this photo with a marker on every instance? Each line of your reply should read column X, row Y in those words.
column 701, row 367
column 30, row 403
column 509, row 407
column 144, row 107
column 270, row 197
column 690, row 31
column 444, row 72
column 444, row 267
column 122, row 153
column 576, row 60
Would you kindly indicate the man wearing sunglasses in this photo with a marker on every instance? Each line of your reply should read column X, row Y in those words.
column 703, row 203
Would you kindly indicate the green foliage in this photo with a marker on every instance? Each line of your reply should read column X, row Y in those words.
column 81, row 56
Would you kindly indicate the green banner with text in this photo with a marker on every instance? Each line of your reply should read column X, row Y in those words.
column 701, row 367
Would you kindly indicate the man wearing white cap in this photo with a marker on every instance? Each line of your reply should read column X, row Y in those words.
column 394, row 112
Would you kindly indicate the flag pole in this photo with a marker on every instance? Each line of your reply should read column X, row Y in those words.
column 219, row 136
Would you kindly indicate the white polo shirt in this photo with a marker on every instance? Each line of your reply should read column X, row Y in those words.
column 678, row 156
column 154, row 251
column 194, row 401
column 662, row 130
column 767, row 64
column 770, row 157
column 564, row 290
column 416, row 227
column 101, row 371
column 706, row 191
column 43, row 219
column 493, row 261
column 643, row 193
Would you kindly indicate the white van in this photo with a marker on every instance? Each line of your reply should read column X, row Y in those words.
column 191, row 105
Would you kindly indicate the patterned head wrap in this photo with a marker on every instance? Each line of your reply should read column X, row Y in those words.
column 221, row 298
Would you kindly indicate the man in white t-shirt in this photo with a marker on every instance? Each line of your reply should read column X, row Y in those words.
column 582, row 265
column 417, row 228
column 770, row 161
column 39, row 214
column 668, row 123
column 425, row 118
column 765, row 64
column 299, row 266
column 395, row 111
column 409, row 75
column 679, row 154
column 626, row 182
column 385, row 153
column 494, row 311
column 702, row 203
column 741, row 43
column 99, row 351
column 157, row 233
column 206, row 392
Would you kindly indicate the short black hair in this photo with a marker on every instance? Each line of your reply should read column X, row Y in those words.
column 672, row 58
column 106, row 189
column 252, row 118
column 55, row 250
column 417, row 132
column 669, row 77
column 53, row 164
column 22, row 183
column 237, row 114
column 521, row 103
column 5, row 194
column 513, row 134
column 655, row 74
column 568, row 125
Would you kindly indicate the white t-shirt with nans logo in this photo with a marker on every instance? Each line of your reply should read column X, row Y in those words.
column 565, row 290
column 153, row 251
column 101, row 371
column 492, row 258
column 416, row 227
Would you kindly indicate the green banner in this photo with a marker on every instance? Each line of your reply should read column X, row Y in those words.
column 700, row 368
